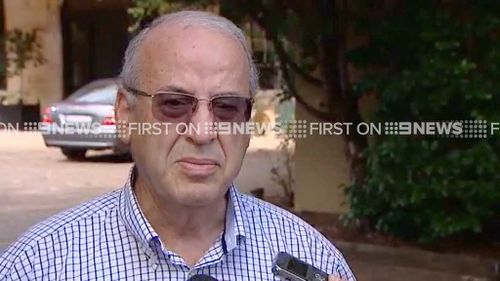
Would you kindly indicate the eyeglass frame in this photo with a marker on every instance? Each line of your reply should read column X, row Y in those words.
column 250, row 100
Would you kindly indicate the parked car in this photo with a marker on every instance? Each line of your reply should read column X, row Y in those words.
column 85, row 120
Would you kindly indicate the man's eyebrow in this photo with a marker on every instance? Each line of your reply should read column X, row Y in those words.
column 178, row 89
column 174, row 88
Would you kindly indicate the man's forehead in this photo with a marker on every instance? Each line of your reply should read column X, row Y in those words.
column 172, row 47
column 168, row 43
column 170, row 34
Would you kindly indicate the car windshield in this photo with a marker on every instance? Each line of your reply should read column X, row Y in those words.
column 105, row 95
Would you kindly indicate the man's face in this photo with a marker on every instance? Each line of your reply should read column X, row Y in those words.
column 192, row 169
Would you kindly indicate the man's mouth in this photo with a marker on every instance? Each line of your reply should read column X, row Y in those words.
column 198, row 167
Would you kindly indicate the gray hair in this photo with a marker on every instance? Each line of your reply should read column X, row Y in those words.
column 129, row 74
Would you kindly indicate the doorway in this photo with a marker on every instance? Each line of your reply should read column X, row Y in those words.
column 95, row 37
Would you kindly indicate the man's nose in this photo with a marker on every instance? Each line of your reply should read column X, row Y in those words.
column 201, row 131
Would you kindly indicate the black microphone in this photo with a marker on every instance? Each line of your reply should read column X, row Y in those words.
column 201, row 277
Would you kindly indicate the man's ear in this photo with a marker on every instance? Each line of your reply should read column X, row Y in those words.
column 123, row 112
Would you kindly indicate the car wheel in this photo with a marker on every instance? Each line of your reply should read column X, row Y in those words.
column 74, row 153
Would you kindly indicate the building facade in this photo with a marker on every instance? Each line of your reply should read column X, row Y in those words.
column 81, row 41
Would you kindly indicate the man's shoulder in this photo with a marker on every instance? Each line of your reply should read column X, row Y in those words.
column 284, row 231
column 84, row 211
column 58, row 227
column 276, row 219
column 265, row 210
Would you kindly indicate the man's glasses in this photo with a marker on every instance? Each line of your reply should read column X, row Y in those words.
column 179, row 107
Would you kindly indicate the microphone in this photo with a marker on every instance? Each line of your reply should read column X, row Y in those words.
column 201, row 277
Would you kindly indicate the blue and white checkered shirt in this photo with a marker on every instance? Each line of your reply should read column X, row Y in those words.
column 109, row 238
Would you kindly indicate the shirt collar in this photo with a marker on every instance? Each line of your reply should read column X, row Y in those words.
column 136, row 222
column 131, row 213
column 235, row 228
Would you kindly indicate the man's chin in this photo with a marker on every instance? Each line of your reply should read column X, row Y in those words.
column 199, row 194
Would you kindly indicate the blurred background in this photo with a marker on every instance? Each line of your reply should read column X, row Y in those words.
column 400, row 207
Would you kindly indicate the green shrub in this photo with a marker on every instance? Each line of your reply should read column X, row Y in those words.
column 434, row 61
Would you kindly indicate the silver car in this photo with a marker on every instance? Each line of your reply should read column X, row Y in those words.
column 85, row 120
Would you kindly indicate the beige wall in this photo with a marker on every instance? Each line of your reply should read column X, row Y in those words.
column 321, row 167
column 321, row 170
column 45, row 82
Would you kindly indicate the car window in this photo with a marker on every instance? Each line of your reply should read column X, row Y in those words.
column 106, row 95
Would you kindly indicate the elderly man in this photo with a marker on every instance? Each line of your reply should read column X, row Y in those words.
column 178, row 215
